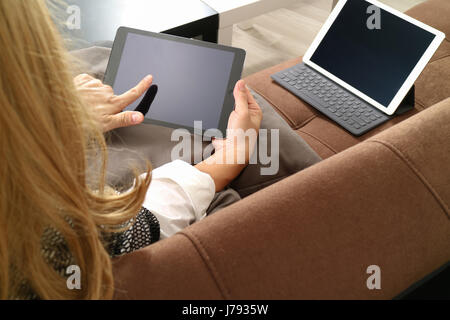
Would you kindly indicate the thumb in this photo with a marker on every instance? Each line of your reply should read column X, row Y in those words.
column 241, row 98
column 126, row 119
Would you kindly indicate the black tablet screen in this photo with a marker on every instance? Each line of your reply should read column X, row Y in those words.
column 374, row 59
column 191, row 81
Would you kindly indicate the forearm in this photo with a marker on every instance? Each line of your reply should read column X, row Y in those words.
column 223, row 167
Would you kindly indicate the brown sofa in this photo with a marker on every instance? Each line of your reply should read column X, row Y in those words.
column 380, row 199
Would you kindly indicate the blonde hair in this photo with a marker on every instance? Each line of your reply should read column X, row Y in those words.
column 46, row 138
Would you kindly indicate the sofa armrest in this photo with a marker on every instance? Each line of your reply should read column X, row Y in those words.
column 383, row 202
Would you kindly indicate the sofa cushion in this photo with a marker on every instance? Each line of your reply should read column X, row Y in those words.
column 425, row 155
column 433, row 85
column 312, row 236
column 435, row 13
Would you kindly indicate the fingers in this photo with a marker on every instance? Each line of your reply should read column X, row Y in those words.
column 82, row 79
column 125, row 119
column 252, row 104
column 95, row 83
column 132, row 95
column 241, row 97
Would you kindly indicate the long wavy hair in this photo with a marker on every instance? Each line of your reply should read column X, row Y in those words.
column 47, row 137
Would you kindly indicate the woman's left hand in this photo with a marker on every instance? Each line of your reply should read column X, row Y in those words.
column 106, row 106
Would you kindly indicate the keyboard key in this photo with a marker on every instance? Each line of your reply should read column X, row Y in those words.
column 366, row 120
column 358, row 121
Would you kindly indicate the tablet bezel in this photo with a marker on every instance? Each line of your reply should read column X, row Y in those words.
column 396, row 101
column 235, row 74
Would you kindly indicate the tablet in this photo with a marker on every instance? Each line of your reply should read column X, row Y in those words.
column 192, row 80
column 373, row 51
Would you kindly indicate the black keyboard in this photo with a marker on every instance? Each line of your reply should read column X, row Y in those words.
column 343, row 107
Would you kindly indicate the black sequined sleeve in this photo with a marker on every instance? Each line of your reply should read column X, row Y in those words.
column 143, row 232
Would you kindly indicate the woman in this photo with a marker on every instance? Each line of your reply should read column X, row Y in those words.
column 55, row 209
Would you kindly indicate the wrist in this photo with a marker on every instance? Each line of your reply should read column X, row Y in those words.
column 233, row 154
column 237, row 149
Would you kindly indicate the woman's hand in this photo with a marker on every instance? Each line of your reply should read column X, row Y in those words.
column 107, row 108
column 225, row 165
column 244, row 120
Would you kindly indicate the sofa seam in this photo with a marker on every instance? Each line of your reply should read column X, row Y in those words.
column 304, row 123
column 417, row 172
column 268, row 182
column 440, row 58
column 199, row 247
column 419, row 102
column 319, row 140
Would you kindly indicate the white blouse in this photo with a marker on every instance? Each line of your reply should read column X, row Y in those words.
column 179, row 195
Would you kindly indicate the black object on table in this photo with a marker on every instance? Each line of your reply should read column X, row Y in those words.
column 100, row 19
